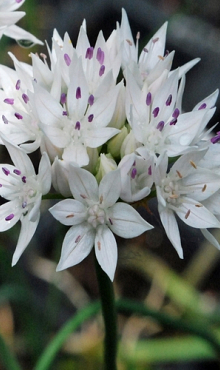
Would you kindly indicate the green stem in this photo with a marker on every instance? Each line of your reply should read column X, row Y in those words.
column 110, row 318
column 47, row 358
column 7, row 357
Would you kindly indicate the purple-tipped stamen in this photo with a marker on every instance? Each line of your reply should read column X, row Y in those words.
column 160, row 125
column 89, row 53
column 149, row 99
column 202, row 106
column 77, row 125
column 24, row 179
column 6, row 171
column 173, row 121
column 18, row 1
column 63, row 98
column 9, row 101
column 4, row 119
column 169, row 100
column 100, row 56
column 18, row 116
column 176, row 113
column 25, row 98
column 17, row 172
column 78, row 93
column 149, row 171
column 110, row 220
column 18, row 84
column 216, row 138
column 155, row 112
column 101, row 70
column 133, row 173
column 9, row 217
column 67, row 59
column 64, row 113
column 24, row 204
column 90, row 117
column 91, row 100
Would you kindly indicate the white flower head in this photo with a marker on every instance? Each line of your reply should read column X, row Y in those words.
column 20, row 185
column 94, row 216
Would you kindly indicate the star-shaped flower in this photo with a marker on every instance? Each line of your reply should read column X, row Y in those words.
column 94, row 216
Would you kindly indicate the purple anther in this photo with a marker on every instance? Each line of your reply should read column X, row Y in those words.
column 155, row 40
column 6, row 171
column 77, row 125
column 101, row 70
column 110, row 220
column 18, row 84
column 91, row 100
column 90, row 117
column 17, row 172
column 149, row 99
column 63, row 98
column 78, row 93
column 67, row 59
column 133, row 173
column 24, row 204
column 24, row 179
column 4, row 119
column 0, row 185
column 18, row 116
column 149, row 171
column 89, row 53
column 202, row 106
column 9, row 217
column 9, row 101
column 64, row 113
column 169, row 100
column 25, row 98
column 166, row 53
column 160, row 125
column 100, row 56
column 216, row 138
column 18, row 1
column 173, row 121
column 176, row 113
column 155, row 112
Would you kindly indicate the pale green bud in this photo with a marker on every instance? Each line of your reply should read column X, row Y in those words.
column 106, row 164
column 114, row 144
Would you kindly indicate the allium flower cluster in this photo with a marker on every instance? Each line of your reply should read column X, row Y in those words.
column 106, row 143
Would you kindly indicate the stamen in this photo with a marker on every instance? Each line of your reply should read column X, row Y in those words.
column 179, row 174
column 4, row 119
column 145, row 50
column 25, row 98
column 18, row 116
column 101, row 199
column 70, row 216
column 155, row 112
column 100, row 56
column 173, row 121
column 149, row 170
column 160, row 57
column 176, row 113
column 138, row 35
column 77, row 125
column 129, row 42
column 67, row 59
column 133, row 173
column 155, row 40
column 24, row 179
column 78, row 239
column 110, row 220
column 204, row 188
column 9, row 217
column 198, row 205
column 17, row 172
column 64, row 113
column 149, row 99
column 216, row 138
column 9, row 101
column 6, row 171
column 78, row 93
column 63, row 98
column 101, row 70
column 187, row 214
column 203, row 106
column 83, row 196
column 91, row 100
column 89, row 53
column 99, row 246
column 193, row 164
column 90, row 117
column 160, row 125
column 169, row 100
column 24, row 204
column 18, row 84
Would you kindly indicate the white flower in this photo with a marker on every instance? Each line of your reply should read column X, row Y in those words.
column 183, row 191
column 20, row 185
column 94, row 216
column 8, row 18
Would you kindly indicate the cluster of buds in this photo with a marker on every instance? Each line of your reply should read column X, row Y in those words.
column 106, row 142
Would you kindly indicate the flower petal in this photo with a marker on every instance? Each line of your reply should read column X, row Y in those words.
column 106, row 250
column 110, row 188
column 83, row 184
column 69, row 212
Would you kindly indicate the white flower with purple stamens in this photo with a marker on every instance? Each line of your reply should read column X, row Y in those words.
column 8, row 18
column 20, row 185
column 94, row 216
column 182, row 191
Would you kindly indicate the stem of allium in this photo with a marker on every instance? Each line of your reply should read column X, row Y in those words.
column 110, row 318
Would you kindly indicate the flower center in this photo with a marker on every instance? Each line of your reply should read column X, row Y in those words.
column 96, row 215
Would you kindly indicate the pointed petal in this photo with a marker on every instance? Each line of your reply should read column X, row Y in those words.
column 83, row 184
column 7, row 209
column 44, row 173
column 69, row 212
column 110, row 188
column 106, row 250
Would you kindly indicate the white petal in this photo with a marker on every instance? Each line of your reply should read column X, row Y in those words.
column 18, row 33
column 9, row 208
column 126, row 222
column 106, row 250
column 210, row 238
column 69, row 212
column 28, row 229
column 76, row 153
column 83, row 184
column 110, row 188
column 44, row 173
column 96, row 137
column 77, row 244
